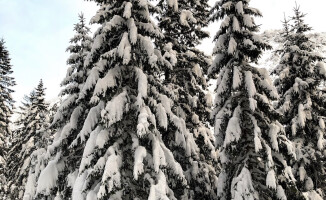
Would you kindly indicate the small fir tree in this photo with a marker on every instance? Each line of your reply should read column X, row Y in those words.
column 300, row 75
column 29, row 136
column 251, row 141
column 17, row 135
column 67, row 122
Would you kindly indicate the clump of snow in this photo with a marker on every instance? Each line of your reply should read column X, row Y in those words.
column 142, row 127
column 248, row 21
column 257, row 133
column 236, row 26
column 321, row 140
column 127, row 11
column 302, row 173
column 309, row 184
column 288, row 174
column 30, row 187
column 158, row 156
column 197, row 70
column 170, row 55
column 232, row 46
column 91, row 195
column 133, row 32
column 322, row 68
column 239, row 8
column 89, row 149
column 109, row 81
column 147, row 45
column 161, row 116
column 209, row 99
column 267, row 83
column 77, row 191
column 48, row 178
column 173, row 4
column 301, row 116
column 159, row 190
column 225, row 22
column 252, row 104
column 233, row 131
column 237, row 77
column 195, row 119
column 250, row 85
column 222, row 82
column 140, row 154
column 227, row 5
column 142, row 82
column 166, row 102
column 185, row 16
column 274, row 129
column 91, row 120
column 321, row 123
column 270, row 180
column 102, row 138
column 242, row 186
column 124, row 49
column 223, row 157
column 312, row 195
column 221, row 183
column 112, row 172
column 280, row 193
column 71, row 179
column 90, row 82
column 115, row 108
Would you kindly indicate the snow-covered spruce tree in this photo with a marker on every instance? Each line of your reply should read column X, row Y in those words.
column 30, row 135
column 124, row 156
column 300, row 74
column 6, row 107
column 17, row 135
column 182, row 23
column 287, row 39
column 68, row 121
column 251, row 141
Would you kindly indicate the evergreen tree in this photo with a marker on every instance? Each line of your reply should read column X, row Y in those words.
column 251, row 141
column 17, row 135
column 6, row 107
column 182, row 23
column 123, row 152
column 30, row 135
column 67, row 121
column 300, row 74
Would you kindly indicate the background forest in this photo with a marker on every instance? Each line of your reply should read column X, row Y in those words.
column 144, row 113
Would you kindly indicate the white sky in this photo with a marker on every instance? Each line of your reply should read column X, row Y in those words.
column 37, row 33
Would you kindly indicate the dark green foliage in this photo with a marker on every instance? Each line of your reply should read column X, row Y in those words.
column 251, row 141
column 31, row 134
column 300, row 75
column 6, row 110
column 182, row 24
column 69, row 115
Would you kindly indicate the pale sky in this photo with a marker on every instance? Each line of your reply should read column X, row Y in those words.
column 37, row 33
